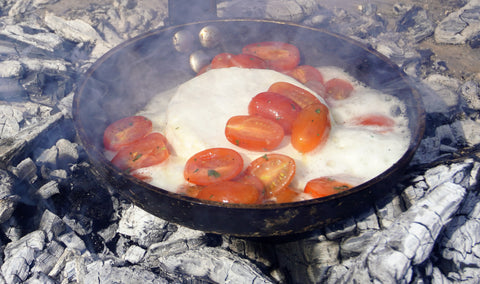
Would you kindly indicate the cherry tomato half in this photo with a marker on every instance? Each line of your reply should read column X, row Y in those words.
column 276, row 171
column 126, row 131
column 222, row 60
column 311, row 128
column 251, row 180
column 230, row 192
column 338, row 89
column 325, row 186
column 305, row 73
column 248, row 61
column 213, row 165
column 276, row 107
column 254, row 133
column 145, row 152
column 285, row 195
column 279, row 56
column 225, row 60
column 380, row 122
column 301, row 96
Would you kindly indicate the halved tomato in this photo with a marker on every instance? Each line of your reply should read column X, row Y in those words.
column 213, row 165
column 254, row 133
column 338, row 89
column 299, row 95
column 190, row 190
column 325, row 186
column 305, row 73
column 276, row 171
column 251, row 180
column 125, row 131
column 145, row 152
column 222, row 60
column 248, row 61
column 279, row 56
column 311, row 128
column 285, row 195
column 230, row 192
column 380, row 122
column 276, row 107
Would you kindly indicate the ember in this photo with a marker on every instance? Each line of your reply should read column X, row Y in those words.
column 59, row 224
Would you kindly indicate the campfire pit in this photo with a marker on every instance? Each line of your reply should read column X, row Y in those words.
column 60, row 225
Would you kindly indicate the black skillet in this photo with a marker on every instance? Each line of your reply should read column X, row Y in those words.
column 122, row 81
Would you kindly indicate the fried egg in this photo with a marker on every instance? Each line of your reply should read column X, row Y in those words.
column 195, row 117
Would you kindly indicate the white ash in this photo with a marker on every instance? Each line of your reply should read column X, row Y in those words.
column 59, row 225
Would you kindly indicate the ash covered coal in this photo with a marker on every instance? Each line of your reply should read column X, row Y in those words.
column 59, row 224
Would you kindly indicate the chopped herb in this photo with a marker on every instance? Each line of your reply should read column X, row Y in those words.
column 137, row 156
column 196, row 170
column 341, row 188
column 318, row 110
column 237, row 142
column 213, row 173
column 265, row 157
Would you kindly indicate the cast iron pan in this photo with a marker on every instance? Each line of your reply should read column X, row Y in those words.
column 121, row 82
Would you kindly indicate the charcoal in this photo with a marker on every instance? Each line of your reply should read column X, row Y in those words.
column 272, row 9
column 459, row 26
column 39, row 278
column 470, row 93
column 11, row 69
column 8, row 198
column 51, row 224
column 416, row 24
column 41, row 39
column 142, row 227
column 25, row 171
column 134, row 254
column 11, row 90
column 72, row 241
column 109, row 272
column 46, row 260
column 47, row 190
column 20, row 255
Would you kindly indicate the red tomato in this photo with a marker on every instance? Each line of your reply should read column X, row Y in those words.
column 381, row 122
column 125, row 131
column 305, row 73
column 251, row 180
column 276, row 107
column 230, row 192
column 325, row 186
column 286, row 195
column 317, row 87
column 311, row 128
column 148, row 151
column 213, row 165
column 222, row 60
column 225, row 60
column 338, row 89
column 301, row 96
column 276, row 171
column 254, row 133
column 248, row 61
column 190, row 190
column 279, row 56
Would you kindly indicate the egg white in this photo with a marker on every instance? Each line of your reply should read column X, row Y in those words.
column 195, row 117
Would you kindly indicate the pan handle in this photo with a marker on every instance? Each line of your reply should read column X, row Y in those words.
column 185, row 11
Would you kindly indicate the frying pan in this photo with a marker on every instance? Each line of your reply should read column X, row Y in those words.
column 122, row 82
